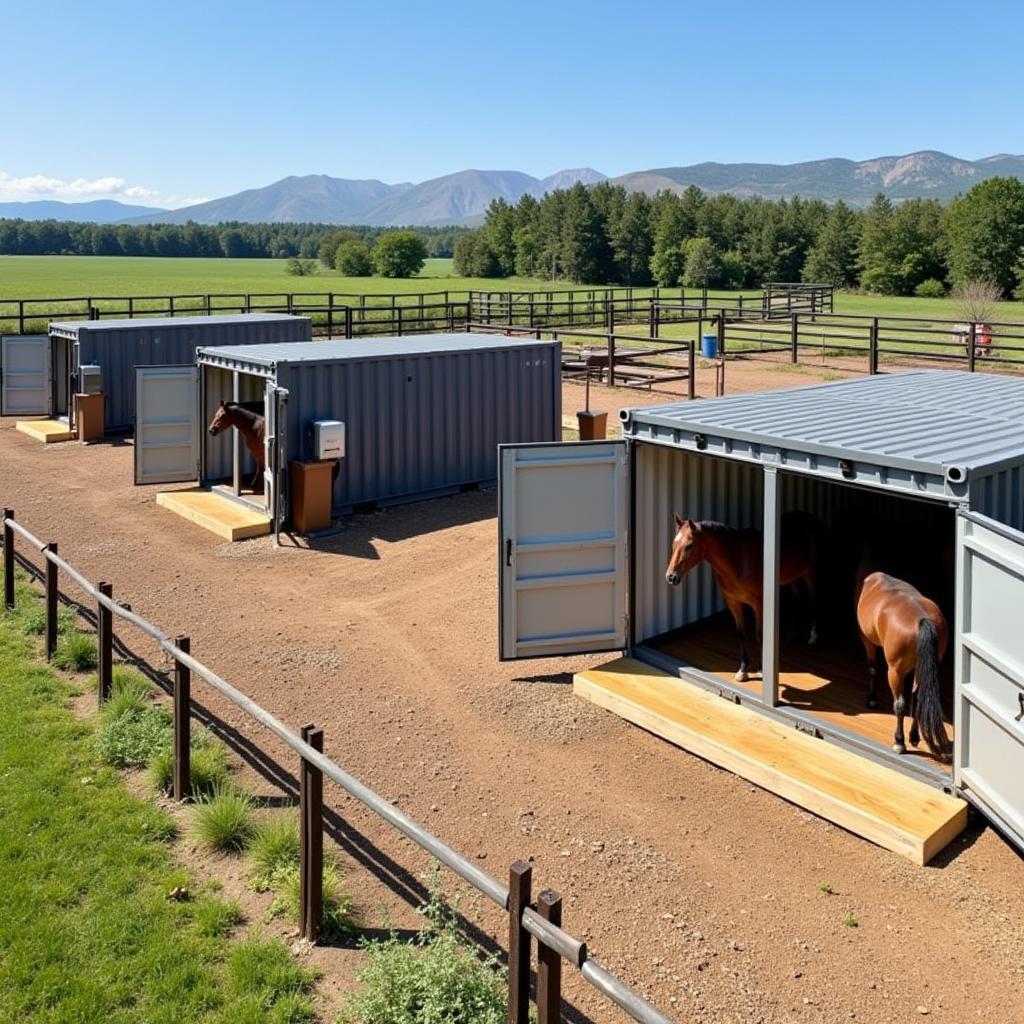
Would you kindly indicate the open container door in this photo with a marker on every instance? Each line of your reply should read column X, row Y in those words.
column 274, row 457
column 166, row 424
column 989, row 748
column 563, row 552
column 26, row 388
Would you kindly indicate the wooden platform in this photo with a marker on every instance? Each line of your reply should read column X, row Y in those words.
column 882, row 805
column 47, row 431
column 214, row 512
column 828, row 681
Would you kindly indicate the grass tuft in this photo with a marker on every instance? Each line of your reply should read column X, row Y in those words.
column 223, row 819
column 208, row 766
column 338, row 919
column 850, row 921
column 273, row 851
column 216, row 918
column 133, row 736
column 76, row 652
column 826, row 888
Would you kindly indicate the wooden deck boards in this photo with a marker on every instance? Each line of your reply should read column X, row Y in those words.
column 47, row 431
column 214, row 512
column 882, row 805
column 829, row 682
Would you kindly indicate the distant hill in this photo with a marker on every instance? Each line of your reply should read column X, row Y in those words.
column 927, row 174
column 457, row 198
column 99, row 211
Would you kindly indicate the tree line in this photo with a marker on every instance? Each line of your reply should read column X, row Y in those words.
column 235, row 239
column 606, row 235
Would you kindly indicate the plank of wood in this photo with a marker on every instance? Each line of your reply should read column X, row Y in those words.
column 47, row 431
column 220, row 515
column 877, row 803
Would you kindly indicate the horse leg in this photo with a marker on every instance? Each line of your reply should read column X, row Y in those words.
column 899, row 707
column 739, row 617
column 871, row 653
column 908, row 693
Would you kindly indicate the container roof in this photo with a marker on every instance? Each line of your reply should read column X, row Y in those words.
column 923, row 421
column 71, row 326
column 269, row 356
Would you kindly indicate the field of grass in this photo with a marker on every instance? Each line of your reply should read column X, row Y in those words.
column 87, row 931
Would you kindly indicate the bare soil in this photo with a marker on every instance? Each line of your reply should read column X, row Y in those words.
column 699, row 889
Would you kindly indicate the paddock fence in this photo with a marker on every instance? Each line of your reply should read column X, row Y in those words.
column 529, row 919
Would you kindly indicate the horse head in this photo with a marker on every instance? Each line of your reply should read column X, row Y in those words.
column 221, row 418
column 687, row 550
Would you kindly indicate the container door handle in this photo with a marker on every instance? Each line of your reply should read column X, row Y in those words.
column 1020, row 714
column 508, row 561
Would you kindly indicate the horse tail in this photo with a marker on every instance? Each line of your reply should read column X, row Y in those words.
column 928, row 695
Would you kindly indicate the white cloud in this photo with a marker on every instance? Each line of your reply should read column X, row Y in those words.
column 77, row 190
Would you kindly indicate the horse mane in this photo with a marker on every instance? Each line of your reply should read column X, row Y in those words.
column 247, row 414
column 713, row 526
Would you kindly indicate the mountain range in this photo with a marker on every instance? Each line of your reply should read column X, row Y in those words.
column 463, row 197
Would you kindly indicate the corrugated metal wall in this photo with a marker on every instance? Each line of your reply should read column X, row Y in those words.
column 418, row 424
column 709, row 487
column 118, row 352
column 1000, row 496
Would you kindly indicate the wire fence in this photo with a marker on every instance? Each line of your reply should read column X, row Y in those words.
column 529, row 919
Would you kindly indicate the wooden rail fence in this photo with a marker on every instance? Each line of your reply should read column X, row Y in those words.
column 527, row 919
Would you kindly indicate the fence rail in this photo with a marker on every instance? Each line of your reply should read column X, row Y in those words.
column 526, row 921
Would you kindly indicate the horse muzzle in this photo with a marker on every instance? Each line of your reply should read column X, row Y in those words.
column 214, row 431
column 673, row 579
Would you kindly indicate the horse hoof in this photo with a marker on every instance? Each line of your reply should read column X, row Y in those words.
column 741, row 676
column 914, row 739
column 899, row 748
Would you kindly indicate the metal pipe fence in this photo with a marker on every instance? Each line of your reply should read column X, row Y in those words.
column 527, row 921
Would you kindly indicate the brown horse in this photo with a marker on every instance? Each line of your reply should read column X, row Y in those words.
column 912, row 633
column 736, row 558
column 251, row 426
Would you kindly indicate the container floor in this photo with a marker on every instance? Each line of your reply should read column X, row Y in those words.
column 829, row 682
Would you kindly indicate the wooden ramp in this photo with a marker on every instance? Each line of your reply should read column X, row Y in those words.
column 878, row 803
column 47, row 431
column 222, row 516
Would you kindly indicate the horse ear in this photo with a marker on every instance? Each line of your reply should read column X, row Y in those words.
column 677, row 520
column 692, row 525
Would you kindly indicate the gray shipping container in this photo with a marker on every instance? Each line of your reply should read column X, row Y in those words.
column 119, row 346
column 423, row 415
column 936, row 458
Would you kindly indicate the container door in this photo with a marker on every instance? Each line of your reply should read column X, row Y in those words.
column 26, row 389
column 989, row 747
column 563, row 552
column 166, row 424
column 274, row 456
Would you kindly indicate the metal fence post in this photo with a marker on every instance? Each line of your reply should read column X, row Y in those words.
column 794, row 338
column 311, row 839
column 611, row 360
column 8, row 561
column 549, row 963
column 330, row 314
column 873, row 347
column 971, row 335
column 519, row 880
column 348, row 321
column 51, row 602
column 182, row 724
column 721, row 333
column 104, row 643
column 691, row 383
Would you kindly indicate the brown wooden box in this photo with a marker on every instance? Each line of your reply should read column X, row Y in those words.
column 593, row 425
column 311, row 495
column 90, row 416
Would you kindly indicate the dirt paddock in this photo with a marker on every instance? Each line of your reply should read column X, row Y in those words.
column 709, row 895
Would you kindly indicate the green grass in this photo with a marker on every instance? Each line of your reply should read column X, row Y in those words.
column 76, row 652
column 274, row 850
column 224, row 819
column 337, row 920
column 207, row 764
column 86, row 930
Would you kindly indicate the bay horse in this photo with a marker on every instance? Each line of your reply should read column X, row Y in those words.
column 911, row 632
column 251, row 425
column 736, row 558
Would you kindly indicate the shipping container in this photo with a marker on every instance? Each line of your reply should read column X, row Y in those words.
column 43, row 373
column 422, row 416
column 925, row 468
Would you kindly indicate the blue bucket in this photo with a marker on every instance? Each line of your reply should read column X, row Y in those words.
column 709, row 346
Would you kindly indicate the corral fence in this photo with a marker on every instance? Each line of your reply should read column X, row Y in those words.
column 528, row 919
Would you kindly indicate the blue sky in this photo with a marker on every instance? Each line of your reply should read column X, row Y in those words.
column 168, row 102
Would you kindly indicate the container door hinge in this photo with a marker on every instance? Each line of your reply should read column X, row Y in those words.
column 732, row 698
column 806, row 727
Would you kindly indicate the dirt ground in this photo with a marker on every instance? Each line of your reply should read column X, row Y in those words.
column 692, row 885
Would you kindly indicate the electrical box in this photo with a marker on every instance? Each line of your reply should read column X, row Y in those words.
column 328, row 439
column 90, row 380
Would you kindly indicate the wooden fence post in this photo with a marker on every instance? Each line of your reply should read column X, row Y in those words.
column 971, row 335
column 104, row 643
column 8, row 561
column 519, row 881
column 691, row 383
column 873, row 347
column 182, row 724
column 794, row 338
column 51, row 603
column 311, row 839
column 721, row 332
column 549, row 963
